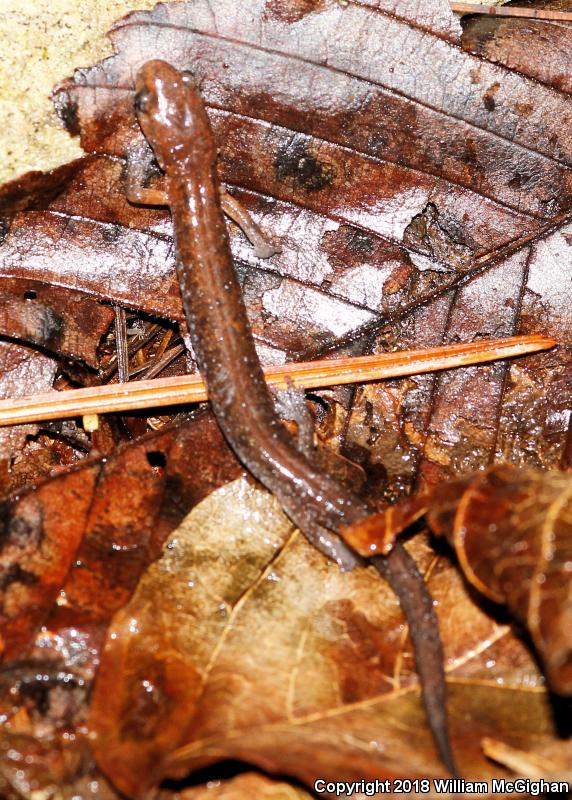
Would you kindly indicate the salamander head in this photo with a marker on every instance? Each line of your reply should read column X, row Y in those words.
column 171, row 114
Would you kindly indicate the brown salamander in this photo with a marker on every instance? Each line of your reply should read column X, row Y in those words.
column 173, row 119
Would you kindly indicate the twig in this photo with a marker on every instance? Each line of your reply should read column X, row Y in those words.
column 159, row 364
column 311, row 374
column 169, row 333
column 121, row 345
column 512, row 11
column 133, row 347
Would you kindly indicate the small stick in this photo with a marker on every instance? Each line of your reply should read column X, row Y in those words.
column 158, row 365
column 121, row 345
column 512, row 11
column 164, row 343
column 310, row 375
column 134, row 347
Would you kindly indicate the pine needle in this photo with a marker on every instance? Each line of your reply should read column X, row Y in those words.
column 308, row 375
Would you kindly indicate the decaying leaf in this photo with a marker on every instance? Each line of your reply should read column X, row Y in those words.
column 522, row 762
column 393, row 195
column 388, row 182
column 507, row 42
column 512, row 532
column 74, row 547
column 58, row 320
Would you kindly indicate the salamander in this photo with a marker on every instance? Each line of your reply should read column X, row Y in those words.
column 173, row 119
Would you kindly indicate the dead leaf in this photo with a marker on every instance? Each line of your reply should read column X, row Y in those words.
column 520, row 762
column 73, row 551
column 382, row 202
column 374, row 170
column 22, row 371
column 75, row 546
column 63, row 322
column 506, row 41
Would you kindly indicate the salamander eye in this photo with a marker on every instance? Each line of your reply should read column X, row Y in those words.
column 188, row 77
column 142, row 100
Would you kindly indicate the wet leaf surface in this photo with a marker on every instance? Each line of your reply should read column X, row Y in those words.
column 66, row 323
column 418, row 177
column 394, row 186
column 22, row 371
column 73, row 548
column 507, row 42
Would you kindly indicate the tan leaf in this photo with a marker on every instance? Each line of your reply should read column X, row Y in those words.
column 242, row 642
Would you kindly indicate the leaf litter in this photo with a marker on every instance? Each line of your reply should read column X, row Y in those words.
column 421, row 190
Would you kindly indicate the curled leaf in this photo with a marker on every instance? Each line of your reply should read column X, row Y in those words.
column 512, row 533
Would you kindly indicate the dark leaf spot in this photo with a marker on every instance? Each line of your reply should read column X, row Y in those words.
column 291, row 10
column 67, row 110
column 15, row 574
column 489, row 96
column 297, row 165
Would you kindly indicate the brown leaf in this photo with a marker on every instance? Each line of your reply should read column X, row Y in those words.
column 432, row 428
column 72, row 553
column 415, row 185
column 507, row 42
column 22, row 372
column 44, row 748
column 401, row 187
column 511, row 530
column 74, row 548
column 242, row 642
column 61, row 321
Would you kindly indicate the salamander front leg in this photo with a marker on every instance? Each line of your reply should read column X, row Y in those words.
column 263, row 247
column 140, row 166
